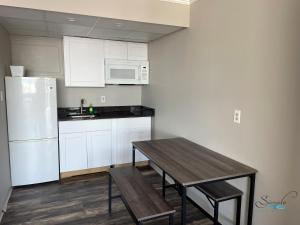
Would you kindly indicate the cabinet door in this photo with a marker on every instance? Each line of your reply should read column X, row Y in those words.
column 139, row 134
column 115, row 50
column 127, row 131
column 73, row 152
column 99, row 148
column 123, row 147
column 84, row 62
column 137, row 51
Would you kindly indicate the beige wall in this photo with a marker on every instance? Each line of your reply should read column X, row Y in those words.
column 43, row 56
column 294, row 203
column 235, row 55
column 149, row 11
column 5, row 182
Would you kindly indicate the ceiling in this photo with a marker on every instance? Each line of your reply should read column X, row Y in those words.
column 21, row 21
column 186, row 2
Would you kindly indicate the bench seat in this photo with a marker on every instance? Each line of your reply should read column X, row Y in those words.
column 140, row 198
column 219, row 191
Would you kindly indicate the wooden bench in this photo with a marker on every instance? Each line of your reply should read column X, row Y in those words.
column 218, row 192
column 141, row 200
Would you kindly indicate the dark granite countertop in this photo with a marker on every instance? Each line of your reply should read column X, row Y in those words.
column 107, row 112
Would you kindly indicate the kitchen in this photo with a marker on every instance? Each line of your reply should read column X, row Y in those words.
column 101, row 78
column 74, row 136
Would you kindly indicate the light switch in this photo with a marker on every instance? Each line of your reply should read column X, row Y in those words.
column 237, row 116
column 103, row 99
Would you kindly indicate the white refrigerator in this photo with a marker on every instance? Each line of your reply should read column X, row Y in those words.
column 32, row 129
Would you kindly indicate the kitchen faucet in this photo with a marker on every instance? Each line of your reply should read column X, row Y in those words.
column 82, row 101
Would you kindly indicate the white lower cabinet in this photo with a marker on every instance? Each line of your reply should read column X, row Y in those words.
column 73, row 152
column 127, row 131
column 99, row 143
column 99, row 148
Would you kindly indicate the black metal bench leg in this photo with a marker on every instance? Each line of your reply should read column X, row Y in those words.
column 216, row 213
column 109, row 193
column 251, row 199
column 171, row 219
column 183, row 205
column 133, row 156
column 164, row 184
column 238, row 210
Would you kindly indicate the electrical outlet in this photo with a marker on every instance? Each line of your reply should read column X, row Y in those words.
column 103, row 99
column 1, row 96
column 237, row 116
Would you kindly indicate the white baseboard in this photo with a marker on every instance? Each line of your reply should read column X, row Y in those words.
column 5, row 204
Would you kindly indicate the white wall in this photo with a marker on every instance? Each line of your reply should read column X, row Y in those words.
column 43, row 56
column 235, row 55
column 5, row 182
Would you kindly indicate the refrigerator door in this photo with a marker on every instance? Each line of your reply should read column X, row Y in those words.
column 34, row 161
column 31, row 108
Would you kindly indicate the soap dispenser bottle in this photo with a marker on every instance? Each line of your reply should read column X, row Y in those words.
column 91, row 109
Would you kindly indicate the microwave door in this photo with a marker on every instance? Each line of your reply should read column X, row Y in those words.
column 123, row 74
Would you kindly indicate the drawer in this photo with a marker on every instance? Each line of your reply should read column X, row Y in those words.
column 133, row 122
column 84, row 126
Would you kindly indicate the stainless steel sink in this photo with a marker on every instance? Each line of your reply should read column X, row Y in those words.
column 81, row 116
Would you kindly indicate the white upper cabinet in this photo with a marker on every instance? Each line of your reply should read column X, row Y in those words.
column 115, row 49
column 84, row 62
column 137, row 51
column 84, row 59
column 126, row 50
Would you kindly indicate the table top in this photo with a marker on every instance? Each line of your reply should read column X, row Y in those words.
column 189, row 163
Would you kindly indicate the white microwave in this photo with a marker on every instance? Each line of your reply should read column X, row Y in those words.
column 126, row 72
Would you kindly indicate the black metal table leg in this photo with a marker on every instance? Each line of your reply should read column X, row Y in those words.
column 183, row 205
column 171, row 219
column 109, row 193
column 238, row 211
column 164, row 184
column 133, row 156
column 251, row 198
column 216, row 213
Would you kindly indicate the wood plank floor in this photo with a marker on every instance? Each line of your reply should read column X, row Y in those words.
column 83, row 201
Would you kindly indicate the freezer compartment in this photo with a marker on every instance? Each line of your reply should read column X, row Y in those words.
column 34, row 162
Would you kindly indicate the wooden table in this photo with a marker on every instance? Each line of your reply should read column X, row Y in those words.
column 189, row 164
